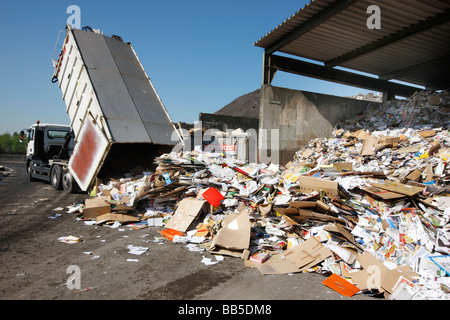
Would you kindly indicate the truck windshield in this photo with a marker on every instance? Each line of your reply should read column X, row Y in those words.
column 57, row 134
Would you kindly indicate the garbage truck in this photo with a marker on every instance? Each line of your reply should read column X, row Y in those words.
column 117, row 119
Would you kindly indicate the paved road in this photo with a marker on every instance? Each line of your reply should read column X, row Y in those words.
column 35, row 264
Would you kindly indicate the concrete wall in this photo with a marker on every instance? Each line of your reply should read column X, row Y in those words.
column 291, row 118
column 6, row 157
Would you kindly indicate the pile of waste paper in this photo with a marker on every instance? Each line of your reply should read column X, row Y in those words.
column 423, row 109
column 368, row 208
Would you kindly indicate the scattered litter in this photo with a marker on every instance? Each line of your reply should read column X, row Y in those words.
column 260, row 257
column 171, row 233
column 115, row 225
column 194, row 248
column 158, row 240
column 339, row 284
column 69, row 239
column 5, row 172
column 136, row 250
column 41, row 200
column 209, row 261
column 86, row 289
column 74, row 208
column 219, row 257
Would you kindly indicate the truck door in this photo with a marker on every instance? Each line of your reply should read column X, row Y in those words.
column 30, row 145
column 35, row 147
column 88, row 154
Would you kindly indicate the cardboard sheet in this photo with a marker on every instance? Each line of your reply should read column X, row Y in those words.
column 386, row 277
column 383, row 194
column 107, row 217
column 361, row 278
column 368, row 148
column 94, row 212
column 296, row 259
column 401, row 188
column 188, row 210
column 234, row 235
column 96, row 206
column 341, row 232
column 309, row 184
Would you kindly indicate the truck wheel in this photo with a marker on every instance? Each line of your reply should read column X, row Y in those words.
column 30, row 172
column 56, row 177
column 67, row 182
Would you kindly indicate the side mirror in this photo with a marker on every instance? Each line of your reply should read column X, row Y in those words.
column 22, row 135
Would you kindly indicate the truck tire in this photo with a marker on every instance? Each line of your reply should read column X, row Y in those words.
column 56, row 176
column 30, row 172
column 69, row 185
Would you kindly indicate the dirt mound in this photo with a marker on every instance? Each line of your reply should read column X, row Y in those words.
column 246, row 106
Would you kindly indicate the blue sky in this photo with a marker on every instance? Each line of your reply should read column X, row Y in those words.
column 199, row 54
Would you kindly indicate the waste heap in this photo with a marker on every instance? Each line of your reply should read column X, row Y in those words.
column 368, row 208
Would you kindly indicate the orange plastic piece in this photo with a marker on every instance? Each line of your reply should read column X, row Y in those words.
column 340, row 285
column 213, row 196
column 170, row 233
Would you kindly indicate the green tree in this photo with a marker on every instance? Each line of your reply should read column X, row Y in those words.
column 11, row 143
column 5, row 142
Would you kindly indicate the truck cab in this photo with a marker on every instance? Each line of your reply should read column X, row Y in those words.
column 48, row 151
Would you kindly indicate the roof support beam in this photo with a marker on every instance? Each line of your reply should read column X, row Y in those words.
column 402, row 34
column 322, row 16
column 268, row 71
column 418, row 67
column 339, row 76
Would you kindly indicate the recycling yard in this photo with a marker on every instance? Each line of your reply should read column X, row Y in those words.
column 203, row 222
column 283, row 194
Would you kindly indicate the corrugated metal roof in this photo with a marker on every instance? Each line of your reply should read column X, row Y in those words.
column 346, row 31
